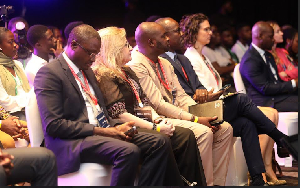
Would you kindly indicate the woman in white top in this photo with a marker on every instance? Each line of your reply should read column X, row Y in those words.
column 196, row 34
column 14, row 86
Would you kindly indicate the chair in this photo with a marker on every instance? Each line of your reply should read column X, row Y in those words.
column 89, row 174
column 237, row 167
column 288, row 121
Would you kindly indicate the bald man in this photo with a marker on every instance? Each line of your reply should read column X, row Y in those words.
column 260, row 75
column 157, row 78
column 74, row 119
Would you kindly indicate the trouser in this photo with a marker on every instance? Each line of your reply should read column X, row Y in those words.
column 154, row 151
column 247, row 122
column 34, row 165
column 187, row 156
column 289, row 104
column 214, row 149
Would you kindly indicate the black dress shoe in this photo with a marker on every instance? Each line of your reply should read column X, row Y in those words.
column 282, row 152
column 285, row 141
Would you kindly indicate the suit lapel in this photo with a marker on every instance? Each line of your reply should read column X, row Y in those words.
column 72, row 80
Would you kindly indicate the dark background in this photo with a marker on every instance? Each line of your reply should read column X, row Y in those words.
column 101, row 13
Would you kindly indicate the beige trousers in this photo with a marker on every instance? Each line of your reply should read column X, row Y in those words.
column 214, row 149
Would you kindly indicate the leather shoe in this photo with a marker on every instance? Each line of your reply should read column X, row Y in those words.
column 282, row 152
column 285, row 141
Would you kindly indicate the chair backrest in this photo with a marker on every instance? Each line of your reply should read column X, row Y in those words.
column 238, row 81
column 34, row 122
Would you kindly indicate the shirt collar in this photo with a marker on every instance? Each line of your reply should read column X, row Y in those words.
column 260, row 51
column 171, row 55
column 70, row 63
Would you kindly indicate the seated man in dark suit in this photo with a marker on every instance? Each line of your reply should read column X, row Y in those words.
column 260, row 75
column 75, row 120
column 246, row 119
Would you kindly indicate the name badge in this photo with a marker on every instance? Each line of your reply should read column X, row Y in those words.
column 144, row 113
column 102, row 120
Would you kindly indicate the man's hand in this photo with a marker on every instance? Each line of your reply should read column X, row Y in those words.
column 201, row 95
column 214, row 96
column 116, row 132
column 205, row 121
column 59, row 49
column 10, row 126
column 167, row 127
column 5, row 161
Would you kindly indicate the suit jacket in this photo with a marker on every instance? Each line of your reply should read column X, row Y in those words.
column 190, row 86
column 259, row 80
column 161, row 98
column 203, row 72
column 63, row 112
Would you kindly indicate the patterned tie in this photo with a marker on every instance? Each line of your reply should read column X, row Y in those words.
column 80, row 76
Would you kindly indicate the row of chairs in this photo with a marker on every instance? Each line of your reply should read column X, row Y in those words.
column 93, row 174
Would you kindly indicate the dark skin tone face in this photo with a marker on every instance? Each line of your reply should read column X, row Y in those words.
column 46, row 43
column 267, row 38
column 215, row 37
column 245, row 34
column 8, row 45
column 227, row 39
column 173, row 32
column 81, row 58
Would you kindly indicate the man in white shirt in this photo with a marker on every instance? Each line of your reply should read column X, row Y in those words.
column 241, row 45
column 42, row 40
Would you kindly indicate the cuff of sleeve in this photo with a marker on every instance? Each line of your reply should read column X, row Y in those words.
column 293, row 83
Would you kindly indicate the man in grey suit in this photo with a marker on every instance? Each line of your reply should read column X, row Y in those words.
column 76, row 126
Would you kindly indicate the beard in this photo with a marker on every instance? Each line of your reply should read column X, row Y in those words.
column 163, row 48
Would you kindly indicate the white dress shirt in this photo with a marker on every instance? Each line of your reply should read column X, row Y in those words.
column 217, row 55
column 14, row 103
column 239, row 49
column 92, row 118
column 32, row 67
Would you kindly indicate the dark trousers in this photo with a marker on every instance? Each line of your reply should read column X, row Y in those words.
column 153, row 150
column 187, row 157
column 247, row 122
column 34, row 165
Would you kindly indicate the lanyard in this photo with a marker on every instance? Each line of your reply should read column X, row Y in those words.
column 184, row 73
column 133, row 89
column 166, row 83
column 211, row 70
column 85, row 87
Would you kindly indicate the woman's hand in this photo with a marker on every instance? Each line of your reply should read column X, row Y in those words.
column 166, row 127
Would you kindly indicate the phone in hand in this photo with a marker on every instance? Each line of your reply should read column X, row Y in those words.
column 216, row 124
column 130, row 130
column 224, row 88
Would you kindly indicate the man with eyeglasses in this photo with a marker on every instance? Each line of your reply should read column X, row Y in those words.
column 76, row 124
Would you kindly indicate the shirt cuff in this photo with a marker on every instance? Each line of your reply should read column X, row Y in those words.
column 293, row 83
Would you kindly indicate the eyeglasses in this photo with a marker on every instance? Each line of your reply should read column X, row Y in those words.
column 207, row 29
column 92, row 55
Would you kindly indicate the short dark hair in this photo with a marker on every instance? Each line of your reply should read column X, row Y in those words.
column 3, row 30
column 190, row 25
column 70, row 26
column 35, row 33
column 83, row 33
column 223, row 28
column 241, row 25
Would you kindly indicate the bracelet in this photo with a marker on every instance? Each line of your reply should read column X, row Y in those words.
column 196, row 119
column 154, row 127
column 193, row 118
column 158, row 128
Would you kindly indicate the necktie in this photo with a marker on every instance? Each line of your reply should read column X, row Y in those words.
column 268, row 62
column 80, row 76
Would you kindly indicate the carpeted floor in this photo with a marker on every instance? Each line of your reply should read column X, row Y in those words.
column 290, row 174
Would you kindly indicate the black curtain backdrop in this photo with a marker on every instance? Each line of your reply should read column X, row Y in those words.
column 102, row 13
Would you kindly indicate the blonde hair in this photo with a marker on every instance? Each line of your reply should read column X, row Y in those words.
column 110, row 57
